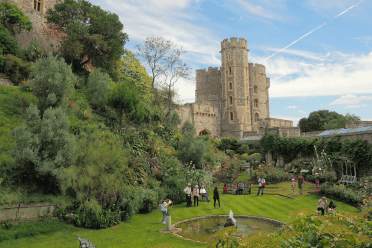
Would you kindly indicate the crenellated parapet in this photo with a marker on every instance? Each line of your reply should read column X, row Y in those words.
column 234, row 42
column 258, row 68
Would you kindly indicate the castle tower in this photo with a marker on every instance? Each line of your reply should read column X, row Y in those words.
column 235, row 102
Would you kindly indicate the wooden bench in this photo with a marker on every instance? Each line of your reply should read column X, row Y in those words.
column 84, row 242
column 230, row 188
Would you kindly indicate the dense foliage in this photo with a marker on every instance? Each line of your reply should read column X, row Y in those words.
column 13, row 19
column 94, row 36
column 357, row 150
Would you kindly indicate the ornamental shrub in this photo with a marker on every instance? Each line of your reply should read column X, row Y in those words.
column 174, row 189
column 271, row 174
column 17, row 69
column 98, row 85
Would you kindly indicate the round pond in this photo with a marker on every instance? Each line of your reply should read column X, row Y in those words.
column 203, row 229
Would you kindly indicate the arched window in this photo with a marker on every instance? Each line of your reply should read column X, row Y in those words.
column 37, row 5
column 230, row 100
column 230, row 85
column 231, row 116
column 255, row 103
column 256, row 117
column 230, row 72
column 255, row 89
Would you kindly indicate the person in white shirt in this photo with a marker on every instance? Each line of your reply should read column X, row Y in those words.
column 187, row 190
column 164, row 210
column 261, row 185
column 203, row 192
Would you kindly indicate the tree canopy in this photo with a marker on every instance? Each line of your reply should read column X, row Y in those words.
column 93, row 35
column 13, row 19
column 324, row 119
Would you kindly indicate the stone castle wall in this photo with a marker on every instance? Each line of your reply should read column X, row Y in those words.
column 208, row 86
column 48, row 37
column 233, row 90
column 204, row 116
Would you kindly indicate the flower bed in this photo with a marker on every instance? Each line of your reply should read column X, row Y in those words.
column 272, row 174
column 342, row 192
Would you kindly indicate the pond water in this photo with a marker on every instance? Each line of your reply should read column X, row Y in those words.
column 204, row 229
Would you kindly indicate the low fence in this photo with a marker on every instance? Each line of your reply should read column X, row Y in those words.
column 25, row 211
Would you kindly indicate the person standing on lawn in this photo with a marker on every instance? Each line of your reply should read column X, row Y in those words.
column 317, row 183
column 300, row 183
column 164, row 210
column 294, row 186
column 261, row 185
column 216, row 197
column 322, row 205
column 196, row 195
column 187, row 190
column 203, row 192
column 240, row 188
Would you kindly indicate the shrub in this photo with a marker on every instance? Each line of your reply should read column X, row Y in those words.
column 326, row 176
column 271, row 174
column 174, row 188
column 17, row 69
column 43, row 147
column 52, row 80
column 342, row 192
column 227, row 143
column 98, row 86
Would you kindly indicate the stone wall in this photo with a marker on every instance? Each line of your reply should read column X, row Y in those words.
column 27, row 211
column 5, row 81
column 358, row 124
column 208, row 86
column 48, row 37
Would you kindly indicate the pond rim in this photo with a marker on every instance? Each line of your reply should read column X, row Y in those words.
column 176, row 231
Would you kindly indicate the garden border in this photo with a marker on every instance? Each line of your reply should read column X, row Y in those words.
column 176, row 231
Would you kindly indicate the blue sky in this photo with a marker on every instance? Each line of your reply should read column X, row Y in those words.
column 331, row 68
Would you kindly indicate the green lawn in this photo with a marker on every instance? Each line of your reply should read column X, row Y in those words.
column 243, row 177
column 143, row 230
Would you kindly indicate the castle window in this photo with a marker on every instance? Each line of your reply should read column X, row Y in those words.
column 231, row 116
column 256, row 103
column 254, row 76
column 256, row 117
column 230, row 71
column 37, row 5
column 229, row 56
column 230, row 100
column 255, row 89
column 230, row 85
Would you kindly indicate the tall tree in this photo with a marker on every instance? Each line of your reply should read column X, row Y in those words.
column 13, row 19
column 131, row 70
column 341, row 121
column 317, row 120
column 164, row 59
column 93, row 35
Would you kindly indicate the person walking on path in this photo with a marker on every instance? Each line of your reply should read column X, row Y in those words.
column 225, row 189
column 164, row 210
column 300, row 183
column 196, row 195
column 322, row 205
column 261, row 185
column 317, row 183
column 216, row 197
column 294, row 186
column 187, row 190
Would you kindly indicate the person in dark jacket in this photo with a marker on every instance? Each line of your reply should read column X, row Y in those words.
column 216, row 196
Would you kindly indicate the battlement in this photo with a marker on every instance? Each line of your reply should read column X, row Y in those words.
column 234, row 43
column 256, row 68
column 212, row 72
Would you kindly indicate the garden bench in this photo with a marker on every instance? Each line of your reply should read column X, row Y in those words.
column 84, row 242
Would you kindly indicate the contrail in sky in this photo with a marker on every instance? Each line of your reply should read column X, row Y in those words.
column 311, row 31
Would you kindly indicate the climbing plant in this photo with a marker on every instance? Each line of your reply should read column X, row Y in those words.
column 358, row 150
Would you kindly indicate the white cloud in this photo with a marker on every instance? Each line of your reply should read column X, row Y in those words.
column 350, row 99
column 355, row 106
column 294, row 106
column 342, row 74
column 300, row 53
column 331, row 4
column 259, row 10
column 302, row 112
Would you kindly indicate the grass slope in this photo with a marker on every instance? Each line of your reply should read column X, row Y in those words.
column 143, row 229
